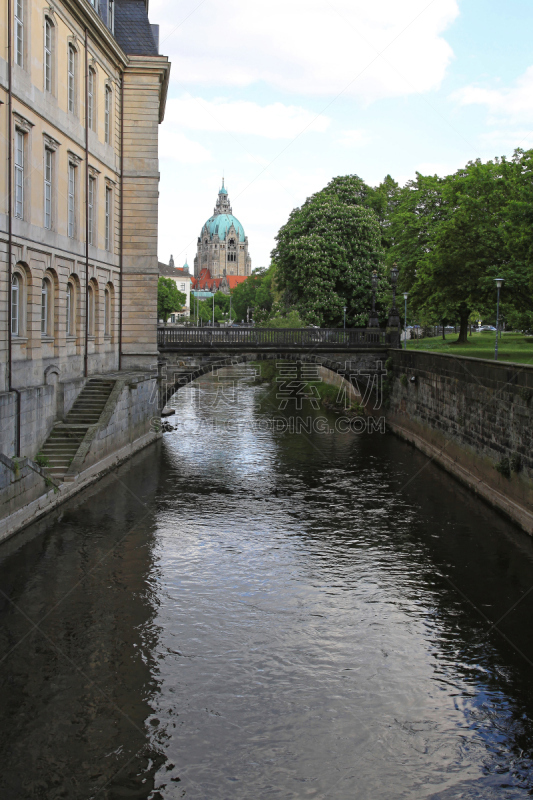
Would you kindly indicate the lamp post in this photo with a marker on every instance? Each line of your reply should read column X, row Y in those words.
column 405, row 296
column 373, row 322
column 344, row 309
column 230, row 309
column 499, row 284
column 213, row 309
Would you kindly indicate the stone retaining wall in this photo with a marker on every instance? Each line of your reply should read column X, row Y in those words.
column 474, row 417
column 125, row 426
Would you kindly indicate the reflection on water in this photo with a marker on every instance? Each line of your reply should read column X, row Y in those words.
column 241, row 613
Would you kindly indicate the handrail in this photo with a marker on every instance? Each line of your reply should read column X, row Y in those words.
column 177, row 338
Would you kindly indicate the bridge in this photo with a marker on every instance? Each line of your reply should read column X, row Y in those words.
column 188, row 353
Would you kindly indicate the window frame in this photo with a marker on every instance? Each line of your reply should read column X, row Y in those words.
column 48, row 64
column 71, row 200
column 91, row 206
column 17, row 286
column 107, row 312
column 108, row 217
column 46, row 306
column 90, row 310
column 69, row 309
column 19, row 32
column 48, row 186
column 107, row 114
column 72, row 78
column 18, row 166
column 91, row 108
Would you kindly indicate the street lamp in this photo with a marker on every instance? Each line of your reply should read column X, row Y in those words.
column 405, row 296
column 213, row 309
column 344, row 309
column 499, row 284
column 394, row 317
column 373, row 322
column 230, row 309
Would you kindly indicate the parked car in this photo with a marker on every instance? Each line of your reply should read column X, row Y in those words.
column 487, row 328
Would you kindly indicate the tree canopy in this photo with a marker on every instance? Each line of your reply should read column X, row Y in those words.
column 326, row 253
column 169, row 298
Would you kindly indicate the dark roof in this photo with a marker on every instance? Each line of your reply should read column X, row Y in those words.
column 172, row 272
column 132, row 29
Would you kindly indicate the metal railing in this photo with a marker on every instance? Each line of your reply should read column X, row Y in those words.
column 271, row 338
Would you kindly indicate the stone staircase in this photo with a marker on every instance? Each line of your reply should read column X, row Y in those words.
column 62, row 445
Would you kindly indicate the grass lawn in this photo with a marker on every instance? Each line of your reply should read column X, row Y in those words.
column 511, row 347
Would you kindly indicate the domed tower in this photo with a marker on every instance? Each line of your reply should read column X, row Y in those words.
column 222, row 244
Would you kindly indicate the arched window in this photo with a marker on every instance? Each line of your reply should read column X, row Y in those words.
column 107, row 312
column 46, row 307
column 48, row 33
column 70, row 309
column 90, row 311
column 16, row 292
column 90, row 98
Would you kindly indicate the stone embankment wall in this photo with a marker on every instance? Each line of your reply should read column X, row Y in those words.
column 125, row 426
column 472, row 416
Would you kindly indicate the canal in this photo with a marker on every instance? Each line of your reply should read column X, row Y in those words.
column 242, row 612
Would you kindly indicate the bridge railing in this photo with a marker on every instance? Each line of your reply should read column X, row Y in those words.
column 305, row 338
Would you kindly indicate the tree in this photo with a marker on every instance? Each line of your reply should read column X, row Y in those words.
column 326, row 252
column 169, row 298
column 255, row 292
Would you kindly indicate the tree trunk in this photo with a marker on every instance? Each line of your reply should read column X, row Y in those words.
column 463, row 327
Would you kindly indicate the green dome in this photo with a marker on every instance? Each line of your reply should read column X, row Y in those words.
column 221, row 223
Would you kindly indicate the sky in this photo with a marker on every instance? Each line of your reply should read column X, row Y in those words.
column 282, row 97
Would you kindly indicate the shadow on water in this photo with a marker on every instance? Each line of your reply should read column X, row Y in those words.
column 241, row 612
column 77, row 633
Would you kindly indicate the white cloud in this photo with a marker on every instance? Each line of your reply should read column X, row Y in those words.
column 514, row 103
column 175, row 145
column 274, row 121
column 353, row 138
column 312, row 47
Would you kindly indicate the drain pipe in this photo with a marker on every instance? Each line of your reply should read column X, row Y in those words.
column 11, row 388
column 86, row 353
column 121, row 214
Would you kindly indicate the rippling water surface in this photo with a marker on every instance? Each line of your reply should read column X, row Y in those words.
column 245, row 613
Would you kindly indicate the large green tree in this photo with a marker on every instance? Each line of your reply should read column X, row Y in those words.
column 450, row 241
column 169, row 298
column 326, row 253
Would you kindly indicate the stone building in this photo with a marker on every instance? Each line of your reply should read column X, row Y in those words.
column 183, row 280
column 222, row 244
column 83, row 89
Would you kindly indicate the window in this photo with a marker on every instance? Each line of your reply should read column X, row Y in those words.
column 107, row 312
column 71, row 200
column 47, row 55
column 107, row 115
column 182, row 287
column 90, row 200
column 19, row 33
column 71, row 79
column 48, row 188
column 70, row 309
column 90, row 98
column 16, row 291
column 108, row 200
column 45, row 303
column 19, row 174
column 90, row 311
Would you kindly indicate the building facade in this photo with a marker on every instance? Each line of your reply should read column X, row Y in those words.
column 83, row 90
column 183, row 280
column 222, row 244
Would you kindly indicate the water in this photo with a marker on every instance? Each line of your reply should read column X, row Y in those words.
column 249, row 613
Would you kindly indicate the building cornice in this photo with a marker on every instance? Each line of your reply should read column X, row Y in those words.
column 159, row 64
